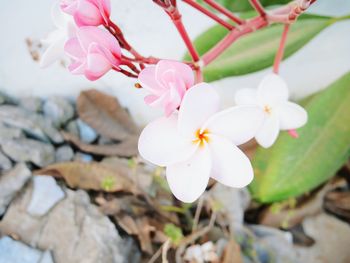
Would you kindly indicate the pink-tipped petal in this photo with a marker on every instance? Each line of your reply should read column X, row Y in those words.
column 238, row 124
column 77, row 68
column 268, row 132
column 199, row 103
column 246, row 96
column 188, row 179
column 272, row 89
column 148, row 81
column 231, row 166
column 161, row 144
column 292, row 116
column 73, row 49
column 69, row 6
column 97, row 66
column 179, row 68
column 87, row 14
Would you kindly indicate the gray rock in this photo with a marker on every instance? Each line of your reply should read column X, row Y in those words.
column 11, row 183
column 86, row 133
column 12, row 251
column 74, row 230
column 5, row 162
column 32, row 104
column 28, row 150
column 83, row 157
column 59, row 110
column 46, row 194
column 31, row 123
column 64, row 153
column 8, row 133
column 72, row 127
column 4, row 98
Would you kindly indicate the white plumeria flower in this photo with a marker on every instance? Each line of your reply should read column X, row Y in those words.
column 198, row 142
column 280, row 114
column 55, row 41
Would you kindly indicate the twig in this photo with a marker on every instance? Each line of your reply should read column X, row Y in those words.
column 225, row 11
column 280, row 51
column 258, row 7
column 165, row 251
column 198, row 213
column 208, row 13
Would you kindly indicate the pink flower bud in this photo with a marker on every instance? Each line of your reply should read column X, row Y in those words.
column 167, row 82
column 93, row 52
column 88, row 12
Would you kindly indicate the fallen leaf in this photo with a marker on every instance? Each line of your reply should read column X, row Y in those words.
column 232, row 253
column 104, row 113
column 90, row 176
column 126, row 148
column 337, row 202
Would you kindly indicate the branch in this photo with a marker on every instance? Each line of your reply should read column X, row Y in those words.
column 258, row 7
column 224, row 11
column 280, row 51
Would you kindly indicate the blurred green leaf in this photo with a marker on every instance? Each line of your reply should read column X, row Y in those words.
column 256, row 51
column 244, row 5
column 174, row 233
column 295, row 166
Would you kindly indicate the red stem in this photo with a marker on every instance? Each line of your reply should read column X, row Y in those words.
column 209, row 14
column 232, row 36
column 258, row 7
column 224, row 11
column 280, row 51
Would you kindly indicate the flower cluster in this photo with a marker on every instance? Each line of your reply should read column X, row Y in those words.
column 93, row 50
column 196, row 140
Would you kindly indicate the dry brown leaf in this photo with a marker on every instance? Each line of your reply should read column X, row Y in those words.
column 105, row 115
column 90, row 176
column 126, row 148
column 232, row 253
column 337, row 202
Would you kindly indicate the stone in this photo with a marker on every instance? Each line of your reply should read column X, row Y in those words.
column 46, row 194
column 8, row 133
column 5, row 162
column 332, row 239
column 74, row 230
column 72, row 127
column 83, row 157
column 12, row 251
column 59, row 110
column 31, row 104
column 31, row 123
column 64, row 153
column 86, row 133
column 11, row 183
column 28, row 150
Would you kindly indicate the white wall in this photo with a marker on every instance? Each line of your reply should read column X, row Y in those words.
column 319, row 63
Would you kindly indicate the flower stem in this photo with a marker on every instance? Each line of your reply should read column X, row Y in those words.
column 258, row 7
column 224, row 11
column 209, row 14
column 280, row 51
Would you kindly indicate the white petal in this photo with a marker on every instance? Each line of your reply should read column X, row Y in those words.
column 292, row 116
column 238, row 124
column 54, row 52
column 199, row 103
column 272, row 89
column 245, row 96
column 161, row 144
column 231, row 166
column 268, row 132
column 58, row 16
column 188, row 180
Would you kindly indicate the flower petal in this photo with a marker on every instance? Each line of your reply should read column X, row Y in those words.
column 272, row 89
column 268, row 132
column 180, row 69
column 149, row 82
column 87, row 14
column 245, row 96
column 230, row 166
column 239, row 124
column 199, row 103
column 188, row 179
column 54, row 52
column 73, row 49
column 292, row 116
column 97, row 66
column 161, row 144
column 57, row 15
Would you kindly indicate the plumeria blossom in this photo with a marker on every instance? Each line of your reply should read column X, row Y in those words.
column 88, row 12
column 167, row 82
column 65, row 29
column 280, row 114
column 93, row 52
column 199, row 142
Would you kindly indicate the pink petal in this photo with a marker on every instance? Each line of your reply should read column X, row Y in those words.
column 231, row 166
column 199, row 103
column 69, row 6
column 73, row 49
column 238, row 124
column 180, row 69
column 292, row 116
column 161, row 144
column 105, row 8
column 97, row 66
column 77, row 68
column 87, row 14
column 150, row 99
column 148, row 81
column 188, row 179
column 272, row 89
column 268, row 132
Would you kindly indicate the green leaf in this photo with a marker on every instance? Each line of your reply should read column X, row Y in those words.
column 295, row 166
column 244, row 5
column 174, row 233
column 256, row 51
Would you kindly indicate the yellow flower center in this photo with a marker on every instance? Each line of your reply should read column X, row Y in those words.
column 201, row 137
column 267, row 109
